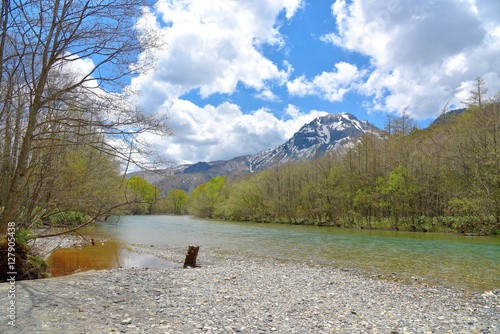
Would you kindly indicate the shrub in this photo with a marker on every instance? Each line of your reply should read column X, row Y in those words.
column 27, row 266
column 68, row 218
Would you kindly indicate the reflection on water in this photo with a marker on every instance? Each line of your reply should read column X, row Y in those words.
column 449, row 259
column 103, row 255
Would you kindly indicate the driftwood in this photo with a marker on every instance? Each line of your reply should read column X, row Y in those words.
column 191, row 255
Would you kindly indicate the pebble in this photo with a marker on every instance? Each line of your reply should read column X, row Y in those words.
column 232, row 294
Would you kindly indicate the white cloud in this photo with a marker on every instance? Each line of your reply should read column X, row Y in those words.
column 292, row 111
column 332, row 86
column 212, row 46
column 420, row 51
column 267, row 95
column 223, row 132
column 421, row 54
column 74, row 69
column 455, row 63
column 463, row 92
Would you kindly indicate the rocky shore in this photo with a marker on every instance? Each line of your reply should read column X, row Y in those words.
column 45, row 246
column 233, row 294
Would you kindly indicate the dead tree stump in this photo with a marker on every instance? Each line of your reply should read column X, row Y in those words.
column 191, row 255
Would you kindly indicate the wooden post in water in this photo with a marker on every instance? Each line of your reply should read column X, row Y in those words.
column 191, row 255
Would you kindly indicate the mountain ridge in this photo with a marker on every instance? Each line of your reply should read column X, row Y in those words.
column 331, row 132
column 314, row 139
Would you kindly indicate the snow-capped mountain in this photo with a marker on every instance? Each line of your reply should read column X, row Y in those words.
column 324, row 134
column 314, row 140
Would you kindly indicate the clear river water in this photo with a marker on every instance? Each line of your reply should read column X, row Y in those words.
column 448, row 259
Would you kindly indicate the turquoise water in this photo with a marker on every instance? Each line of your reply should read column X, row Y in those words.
column 446, row 259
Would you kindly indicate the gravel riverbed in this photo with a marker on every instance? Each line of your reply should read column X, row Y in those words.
column 233, row 294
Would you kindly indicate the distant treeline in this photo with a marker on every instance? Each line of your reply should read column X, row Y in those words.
column 443, row 178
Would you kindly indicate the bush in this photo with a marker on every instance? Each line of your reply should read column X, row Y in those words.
column 27, row 266
column 68, row 218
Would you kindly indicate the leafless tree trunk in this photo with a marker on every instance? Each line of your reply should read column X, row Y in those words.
column 46, row 101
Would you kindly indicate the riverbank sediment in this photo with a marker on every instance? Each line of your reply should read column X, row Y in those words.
column 234, row 294
column 43, row 247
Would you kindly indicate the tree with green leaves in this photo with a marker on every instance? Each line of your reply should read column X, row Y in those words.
column 398, row 192
column 244, row 200
column 176, row 201
column 145, row 195
column 474, row 153
column 203, row 199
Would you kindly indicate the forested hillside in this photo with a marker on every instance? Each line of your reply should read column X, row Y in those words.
column 444, row 178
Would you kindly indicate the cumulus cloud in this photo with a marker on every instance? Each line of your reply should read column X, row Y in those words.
column 332, row 86
column 420, row 54
column 421, row 51
column 212, row 46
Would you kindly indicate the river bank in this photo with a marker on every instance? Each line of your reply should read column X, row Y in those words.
column 234, row 294
column 45, row 246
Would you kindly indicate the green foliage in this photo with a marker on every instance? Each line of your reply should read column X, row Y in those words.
column 462, row 207
column 445, row 178
column 245, row 202
column 144, row 195
column 28, row 266
column 143, row 189
column 203, row 199
column 35, row 267
column 67, row 218
column 82, row 180
column 23, row 236
column 176, row 202
column 398, row 191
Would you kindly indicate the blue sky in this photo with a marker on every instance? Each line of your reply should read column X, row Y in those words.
column 239, row 76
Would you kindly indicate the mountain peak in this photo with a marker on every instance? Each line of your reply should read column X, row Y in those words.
column 332, row 132
column 313, row 140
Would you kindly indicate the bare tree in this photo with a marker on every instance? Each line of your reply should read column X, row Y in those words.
column 477, row 94
column 48, row 101
column 404, row 124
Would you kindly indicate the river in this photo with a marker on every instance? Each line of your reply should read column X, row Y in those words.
column 434, row 258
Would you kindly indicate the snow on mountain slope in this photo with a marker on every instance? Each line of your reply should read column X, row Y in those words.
column 334, row 132
column 313, row 140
